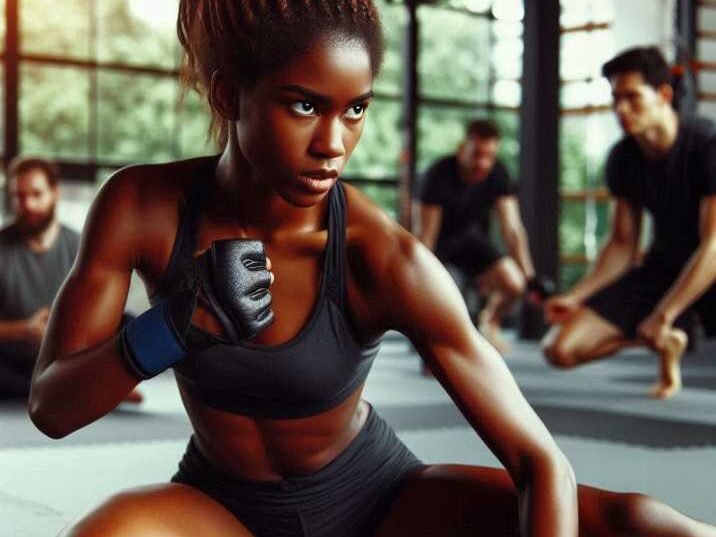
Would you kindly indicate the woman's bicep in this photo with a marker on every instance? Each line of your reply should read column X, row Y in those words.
column 87, row 310
column 419, row 297
column 90, row 303
column 430, row 311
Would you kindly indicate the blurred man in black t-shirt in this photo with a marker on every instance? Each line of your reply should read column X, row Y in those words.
column 36, row 254
column 665, row 165
column 459, row 192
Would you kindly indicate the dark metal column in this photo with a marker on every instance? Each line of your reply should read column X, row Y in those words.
column 12, row 45
column 539, row 142
column 10, row 104
column 409, row 120
column 686, row 97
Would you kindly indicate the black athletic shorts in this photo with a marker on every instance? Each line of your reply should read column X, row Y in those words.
column 348, row 497
column 471, row 252
column 629, row 300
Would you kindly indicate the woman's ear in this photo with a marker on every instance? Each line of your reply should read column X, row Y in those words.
column 223, row 97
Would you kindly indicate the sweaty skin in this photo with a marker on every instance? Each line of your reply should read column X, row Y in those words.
column 281, row 135
column 304, row 117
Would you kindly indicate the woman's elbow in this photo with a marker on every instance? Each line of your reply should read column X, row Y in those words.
column 555, row 468
column 47, row 426
column 559, row 466
column 41, row 415
column 566, row 470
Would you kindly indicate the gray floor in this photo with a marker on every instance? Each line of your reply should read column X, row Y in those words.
column 614, row 435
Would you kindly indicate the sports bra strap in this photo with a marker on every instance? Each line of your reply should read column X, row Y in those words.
column 178, row 274
column 336, row 247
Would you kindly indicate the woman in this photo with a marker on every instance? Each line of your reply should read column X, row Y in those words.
column 283, row 444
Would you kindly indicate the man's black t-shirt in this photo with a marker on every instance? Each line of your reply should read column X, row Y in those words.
column 670, row 188
column 464, row 205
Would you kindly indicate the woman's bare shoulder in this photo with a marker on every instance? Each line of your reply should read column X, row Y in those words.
column 373, row 234
column 135, row 213
column 397, row 283
column 155, row 184
column 381, row 254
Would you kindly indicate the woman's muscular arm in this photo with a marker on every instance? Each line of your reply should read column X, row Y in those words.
column 398, row 284
column 80, row 375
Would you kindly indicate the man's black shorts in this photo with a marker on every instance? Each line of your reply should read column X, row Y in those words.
column 629, row 300
column 472, row 252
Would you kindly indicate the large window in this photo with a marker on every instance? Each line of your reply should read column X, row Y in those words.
column 470, row 65
column 2, row 25
column 706, row 55
column 375, row 163
column 98, row 81
column 98, row 86
column 587, row 131
column 2, row 79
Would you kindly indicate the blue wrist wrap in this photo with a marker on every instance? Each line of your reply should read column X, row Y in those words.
column 150, row 342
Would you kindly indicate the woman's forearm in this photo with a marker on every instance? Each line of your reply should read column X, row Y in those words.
column 72, row 391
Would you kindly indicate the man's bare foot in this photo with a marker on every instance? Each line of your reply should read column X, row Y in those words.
column 492, row 333
column 670, row 382
column 134, row 397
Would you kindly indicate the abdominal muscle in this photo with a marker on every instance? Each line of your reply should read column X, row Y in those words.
column 269, row 449
column 262, row 449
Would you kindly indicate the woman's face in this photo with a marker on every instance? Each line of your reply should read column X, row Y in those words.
column 298, row 126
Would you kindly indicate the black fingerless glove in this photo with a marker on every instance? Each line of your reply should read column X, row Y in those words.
column 233, row 279
column 235, row 282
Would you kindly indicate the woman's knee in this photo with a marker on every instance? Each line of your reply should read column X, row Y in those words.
column 120, row 516
column 165, row 511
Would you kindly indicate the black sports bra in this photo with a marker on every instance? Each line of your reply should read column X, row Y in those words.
column 309, row 374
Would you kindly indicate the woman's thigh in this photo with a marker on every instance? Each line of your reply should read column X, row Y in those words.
column 167, row 510
column 461, row 501
column 453, row 500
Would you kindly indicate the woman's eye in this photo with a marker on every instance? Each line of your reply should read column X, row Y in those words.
column 303, row 108
column 356, row 112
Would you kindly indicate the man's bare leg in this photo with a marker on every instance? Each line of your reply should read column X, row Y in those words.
column 669, row 383
column 503, row 283
column 489, row 321
column 586, row 336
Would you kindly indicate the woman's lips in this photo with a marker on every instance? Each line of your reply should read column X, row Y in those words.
column 318, row 182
